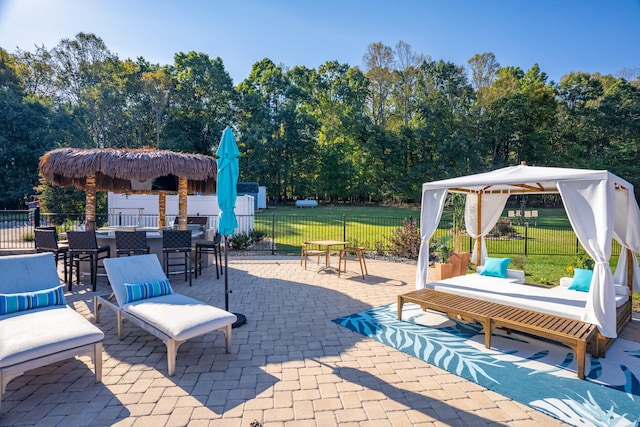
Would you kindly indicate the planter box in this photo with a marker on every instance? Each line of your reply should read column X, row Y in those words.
column 443, row 271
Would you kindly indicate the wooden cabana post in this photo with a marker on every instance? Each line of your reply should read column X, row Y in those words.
column 162, row 209
column 479, row 230
column 90, row 197
column 182, row 203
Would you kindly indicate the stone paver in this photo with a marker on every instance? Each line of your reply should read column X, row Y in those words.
column 290, row 365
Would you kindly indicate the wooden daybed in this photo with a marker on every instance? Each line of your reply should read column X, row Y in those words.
column 600, row 206
column 502, row 303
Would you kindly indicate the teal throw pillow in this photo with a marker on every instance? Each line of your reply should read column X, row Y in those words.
column 140, row 291
column 581, row 279
column 495, row 267
column 11, row 303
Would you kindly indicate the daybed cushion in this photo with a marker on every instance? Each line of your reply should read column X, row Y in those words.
column 188, row 317
column 515, row 276
column 621, row 290
column 559, row 301
column 27, row 335
column 495, row 267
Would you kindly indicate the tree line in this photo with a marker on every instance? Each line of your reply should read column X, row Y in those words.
column 373, row 133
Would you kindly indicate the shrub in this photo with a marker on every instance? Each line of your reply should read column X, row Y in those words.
column 503, row 228
column 257, row 235
column 240, row 241
column 405, row 240
column 582, row 260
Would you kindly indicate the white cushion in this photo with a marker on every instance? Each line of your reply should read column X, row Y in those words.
column 515, row 276
column 180, row 316
column 559, row 301
column 31, row 334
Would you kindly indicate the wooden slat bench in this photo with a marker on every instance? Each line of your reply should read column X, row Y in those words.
column 572, row 333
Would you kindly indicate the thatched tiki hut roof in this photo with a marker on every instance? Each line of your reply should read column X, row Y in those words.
column 131, row 171
column 115, row 170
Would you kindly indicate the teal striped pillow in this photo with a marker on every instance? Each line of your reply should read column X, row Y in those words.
column 11, row 303
column 140, row 291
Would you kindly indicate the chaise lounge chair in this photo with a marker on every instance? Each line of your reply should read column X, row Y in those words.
column 142, row 295
column 37, row 328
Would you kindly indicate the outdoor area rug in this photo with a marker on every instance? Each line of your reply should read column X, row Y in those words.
column 534, row 372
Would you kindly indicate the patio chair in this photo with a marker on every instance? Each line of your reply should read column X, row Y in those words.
column 307, row 251
column 355, row 253
column 209, row 247
column 177, row 242
column 37, row 328
column 83, row 247
column 131, row 243
column 142, row 295
column 47, row 241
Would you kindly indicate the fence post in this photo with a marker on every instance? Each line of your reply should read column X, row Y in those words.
column 344, row 227
column 36, row 217
column 273, row 233
column 526, row 237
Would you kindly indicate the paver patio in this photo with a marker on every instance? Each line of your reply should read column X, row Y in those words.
column 290, row 365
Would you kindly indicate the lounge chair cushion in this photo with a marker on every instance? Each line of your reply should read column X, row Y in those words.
column 146, row 290
column 189, row 317
column 28, row 335
column 11, row 303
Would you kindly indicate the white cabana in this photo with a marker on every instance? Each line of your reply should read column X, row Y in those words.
column 600, row 206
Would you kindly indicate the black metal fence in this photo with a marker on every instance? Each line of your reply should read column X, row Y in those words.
column 286, row 233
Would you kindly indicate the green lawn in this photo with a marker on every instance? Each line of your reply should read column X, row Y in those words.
column 370, row 226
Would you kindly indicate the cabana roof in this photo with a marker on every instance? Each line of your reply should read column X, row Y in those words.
column 129, row 170
column 522, row 179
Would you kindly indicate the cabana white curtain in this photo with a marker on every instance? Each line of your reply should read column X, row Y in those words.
column 590, row 206
column 599, row 205
column 628, row 236
column 432, row 206
column 492, row 207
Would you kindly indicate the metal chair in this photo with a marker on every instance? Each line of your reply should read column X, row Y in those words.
column 83, row 247
column 177, row 242
column 131, row 243
column 358, row 254
column 209, row 247
column 47, row 241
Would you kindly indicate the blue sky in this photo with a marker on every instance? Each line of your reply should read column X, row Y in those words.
column 560, row 35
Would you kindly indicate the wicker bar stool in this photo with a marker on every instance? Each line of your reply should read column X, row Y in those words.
column 47, row 241
column 209, row 247
column 83, row 247
column 177, row 242
column 131, row 243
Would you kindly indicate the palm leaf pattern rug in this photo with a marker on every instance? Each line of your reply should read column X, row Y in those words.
column 535, row 372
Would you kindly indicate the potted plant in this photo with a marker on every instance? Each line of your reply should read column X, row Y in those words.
column 444, row 269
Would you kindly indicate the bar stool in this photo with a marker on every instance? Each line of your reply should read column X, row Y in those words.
column 83, row 247
column 347, row 253
column 209, row 247
column 177, row 242
column 47, row 241
column 131, row 243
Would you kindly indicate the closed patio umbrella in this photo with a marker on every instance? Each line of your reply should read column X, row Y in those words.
column 228, row 171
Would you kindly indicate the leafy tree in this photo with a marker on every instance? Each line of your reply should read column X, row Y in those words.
column 202, row 104
column 379, row 64
column 24, row 137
